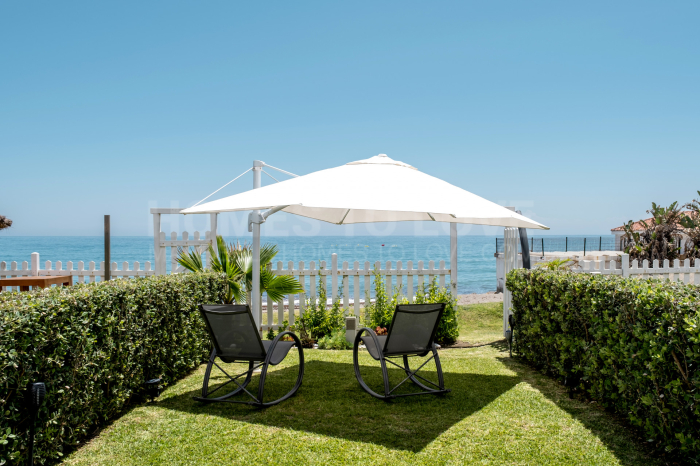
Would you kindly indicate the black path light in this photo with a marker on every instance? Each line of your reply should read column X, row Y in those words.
column 34, row 398
column 153, row 387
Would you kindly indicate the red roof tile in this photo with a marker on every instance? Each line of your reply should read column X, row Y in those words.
column 637, row 226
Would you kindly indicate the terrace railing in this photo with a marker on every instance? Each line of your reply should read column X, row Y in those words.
column 565, row 244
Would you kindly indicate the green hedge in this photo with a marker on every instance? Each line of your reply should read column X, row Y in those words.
column 631, row 344
column 94, row 345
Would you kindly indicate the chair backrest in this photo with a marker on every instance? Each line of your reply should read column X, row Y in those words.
column 232, row 330
column 413, row 328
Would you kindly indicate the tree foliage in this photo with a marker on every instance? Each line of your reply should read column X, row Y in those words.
column 659, row 238
column 5, row 222
column 691, row 223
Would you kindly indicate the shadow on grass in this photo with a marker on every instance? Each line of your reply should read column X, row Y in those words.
column 331, row 402
column 624, row 441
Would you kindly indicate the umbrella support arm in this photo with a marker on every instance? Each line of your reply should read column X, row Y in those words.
column 255, row 219
column 261, row 217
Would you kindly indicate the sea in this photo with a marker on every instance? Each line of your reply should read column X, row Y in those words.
column 475, row 254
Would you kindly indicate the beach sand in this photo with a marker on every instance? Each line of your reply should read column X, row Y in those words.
column 478, row 298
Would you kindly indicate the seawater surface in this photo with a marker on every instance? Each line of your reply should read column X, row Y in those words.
column 475, row 254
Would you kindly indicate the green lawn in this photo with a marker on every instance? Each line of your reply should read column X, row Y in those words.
column 499, row 412
column 480, row 323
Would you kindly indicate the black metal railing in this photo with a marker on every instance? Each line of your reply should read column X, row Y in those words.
column 565, row 244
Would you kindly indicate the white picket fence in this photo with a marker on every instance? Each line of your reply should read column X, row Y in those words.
column 397, row 278
column 81, row 274
column 684, row 273
column 186, row 242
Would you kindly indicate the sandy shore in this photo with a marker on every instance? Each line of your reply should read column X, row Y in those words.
column 475, row 298
column 463, row 299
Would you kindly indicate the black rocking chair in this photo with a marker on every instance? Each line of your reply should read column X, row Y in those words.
column 411, row 333
column 236, row 339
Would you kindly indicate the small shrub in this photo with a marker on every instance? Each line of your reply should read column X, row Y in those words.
column 319, row 321
column 334, row 341
column 448, row 329
column 380, row 312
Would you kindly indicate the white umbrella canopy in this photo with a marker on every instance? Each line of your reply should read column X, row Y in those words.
column 377, row 189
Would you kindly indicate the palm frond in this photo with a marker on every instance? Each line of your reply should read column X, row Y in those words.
column 190, row 259
column 278, row 286
column 268, row 251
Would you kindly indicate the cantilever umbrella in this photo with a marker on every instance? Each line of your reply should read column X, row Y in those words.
column 377, row 189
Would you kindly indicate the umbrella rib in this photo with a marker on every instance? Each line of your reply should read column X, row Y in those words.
column 433, row 218
column 343, row 219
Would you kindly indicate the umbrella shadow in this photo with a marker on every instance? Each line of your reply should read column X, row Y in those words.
column 331, row 403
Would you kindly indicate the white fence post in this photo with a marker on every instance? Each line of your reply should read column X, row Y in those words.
column 158, row 251
column 35, row 264
column 510, row 240
column 213, row 228
column 356, row 288
column 334, row 277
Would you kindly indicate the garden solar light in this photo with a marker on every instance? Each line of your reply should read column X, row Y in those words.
column 153, row 388
column 34, row 398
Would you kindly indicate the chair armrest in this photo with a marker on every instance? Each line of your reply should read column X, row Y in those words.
column 271, row 349
column 373, row 334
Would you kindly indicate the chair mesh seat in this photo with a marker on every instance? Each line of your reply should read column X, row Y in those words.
column 371, row 347
column 280, row 351
column 233, row 333
column 412, row 329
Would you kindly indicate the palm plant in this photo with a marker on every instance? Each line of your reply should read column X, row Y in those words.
column 691, row 223
column 555, row 264
column 236, row 261
column 657, row 240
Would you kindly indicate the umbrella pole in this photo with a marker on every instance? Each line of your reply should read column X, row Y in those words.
column 256, row 297
column 453, row 259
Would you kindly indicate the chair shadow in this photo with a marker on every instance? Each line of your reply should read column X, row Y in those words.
column 331, row 403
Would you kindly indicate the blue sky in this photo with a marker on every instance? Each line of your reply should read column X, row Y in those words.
column 579, row 113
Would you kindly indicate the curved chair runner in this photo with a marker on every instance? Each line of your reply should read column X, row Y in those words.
column 236, row 339
column 410, row 334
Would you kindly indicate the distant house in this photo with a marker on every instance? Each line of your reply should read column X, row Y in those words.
column 619, row 232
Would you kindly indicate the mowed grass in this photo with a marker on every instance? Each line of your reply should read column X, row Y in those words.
column 499, row 412
column 480, row 323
